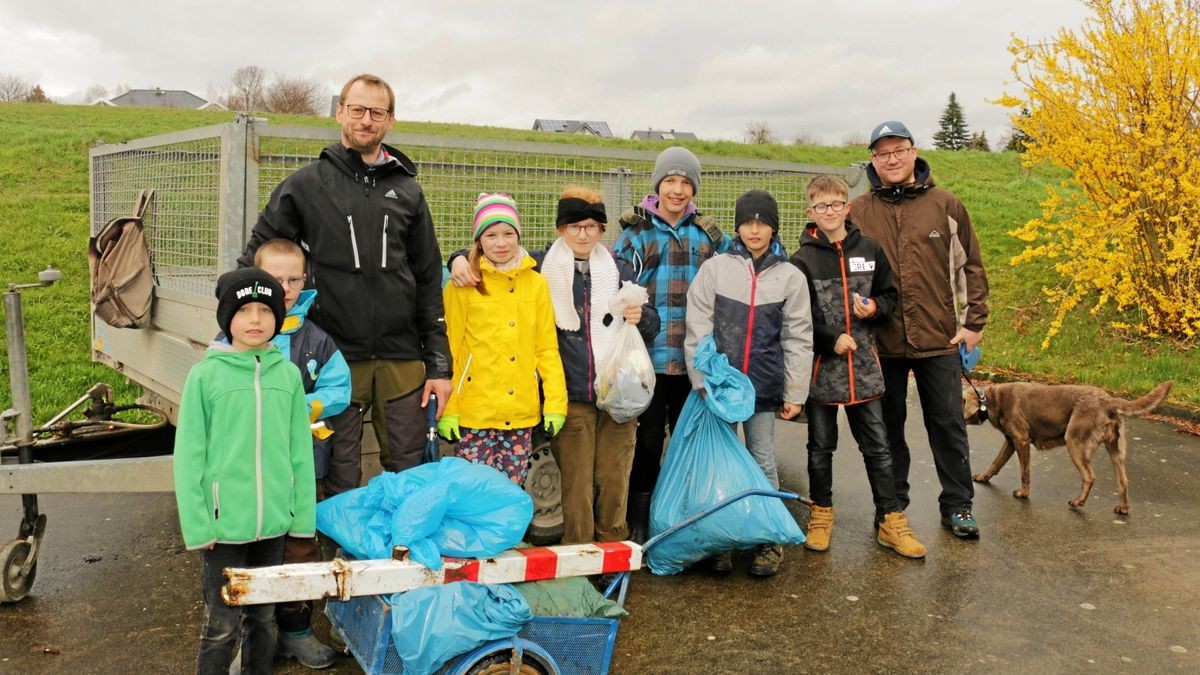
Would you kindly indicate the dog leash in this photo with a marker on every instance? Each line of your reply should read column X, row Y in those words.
column 983, row 413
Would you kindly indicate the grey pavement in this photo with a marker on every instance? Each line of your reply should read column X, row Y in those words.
column 1047, row 588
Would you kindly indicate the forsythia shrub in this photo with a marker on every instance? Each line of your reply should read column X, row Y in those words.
column 1118, row 104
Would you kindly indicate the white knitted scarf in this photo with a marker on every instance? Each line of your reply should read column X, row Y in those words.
column 559, row 269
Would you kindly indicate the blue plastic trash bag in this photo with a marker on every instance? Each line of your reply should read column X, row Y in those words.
column 452, row 507
column 434, row 624
column 706, row 462
column 730, row 395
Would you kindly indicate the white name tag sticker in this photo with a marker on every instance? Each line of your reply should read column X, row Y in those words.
column 861, row 265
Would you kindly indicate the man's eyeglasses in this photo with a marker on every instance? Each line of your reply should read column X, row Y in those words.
column 590, row 228
column 292, row 282
column 357, row 111
column 826, row 207
column 887, row 156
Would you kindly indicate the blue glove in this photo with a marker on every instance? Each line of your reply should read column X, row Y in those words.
column 553, row 423
column 448, row 428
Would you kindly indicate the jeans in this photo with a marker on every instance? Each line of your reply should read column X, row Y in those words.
column 759, row 431
column 939, row 386
column 296, row 616
column 866, row 425
column 670, row 393
column 219, row 637
column 594, row 455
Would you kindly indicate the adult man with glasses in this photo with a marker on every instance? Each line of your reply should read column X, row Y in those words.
column 373, row 257
column 928, row 238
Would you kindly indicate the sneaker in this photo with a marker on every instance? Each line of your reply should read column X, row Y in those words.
column 767, row 559
column 895, row 534
column 961, row 523
column 722, row 563
column 306, row 648
column 820, row 528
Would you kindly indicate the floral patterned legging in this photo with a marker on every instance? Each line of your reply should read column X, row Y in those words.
column 506, row 450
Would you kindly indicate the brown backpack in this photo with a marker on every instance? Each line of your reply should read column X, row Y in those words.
column 122, row 277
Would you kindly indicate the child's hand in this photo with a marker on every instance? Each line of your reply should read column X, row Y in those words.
column 844, row 344
column 790, row 410
column 633, row 314
column 448, row 428
column 864, row 308
column 553, row 423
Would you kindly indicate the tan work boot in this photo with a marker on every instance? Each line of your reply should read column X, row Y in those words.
column 895, row 534
column 820, row 527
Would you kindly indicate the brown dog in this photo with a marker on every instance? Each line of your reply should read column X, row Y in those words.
column 1049, row 416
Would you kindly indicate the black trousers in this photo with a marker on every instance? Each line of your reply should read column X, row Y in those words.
column 939, row 387
column 670, row 393
column 869, row 431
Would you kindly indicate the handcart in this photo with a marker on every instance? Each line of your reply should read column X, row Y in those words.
column 545, row 646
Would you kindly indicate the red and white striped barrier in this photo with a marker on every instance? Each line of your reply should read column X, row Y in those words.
column 344, row 579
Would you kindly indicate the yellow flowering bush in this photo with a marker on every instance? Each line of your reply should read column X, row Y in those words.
column 1117, row 103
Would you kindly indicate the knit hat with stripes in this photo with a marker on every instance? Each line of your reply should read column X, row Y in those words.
column 494, row 208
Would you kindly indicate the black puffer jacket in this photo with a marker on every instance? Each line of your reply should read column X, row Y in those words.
column 372, row 255
column 835, row 271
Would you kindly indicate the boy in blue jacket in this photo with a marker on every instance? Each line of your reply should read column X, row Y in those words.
column 243, row 464
column 850, row 282
column 326, row 379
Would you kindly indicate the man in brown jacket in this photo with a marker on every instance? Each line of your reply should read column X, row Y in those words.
column 927, row 236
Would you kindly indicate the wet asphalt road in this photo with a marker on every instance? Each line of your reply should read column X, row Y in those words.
column 1046, row 588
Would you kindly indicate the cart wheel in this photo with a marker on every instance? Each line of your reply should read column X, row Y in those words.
column 543, row 482
column 501, row 664
column 14, row 586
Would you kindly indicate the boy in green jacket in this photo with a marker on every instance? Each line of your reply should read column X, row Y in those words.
column 243, row 464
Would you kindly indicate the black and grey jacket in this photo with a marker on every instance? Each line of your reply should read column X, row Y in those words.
column 758, row 313
column 372, row 252
column 835, row 271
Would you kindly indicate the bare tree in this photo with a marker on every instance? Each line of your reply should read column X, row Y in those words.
column 120, row 89
column 759, row 133
column 854, row 140
column 14, row 88
column 95, row 93
column 247, row 89
column 805, row 138
column 294, row 95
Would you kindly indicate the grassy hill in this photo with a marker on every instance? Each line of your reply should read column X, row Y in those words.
column 44, row 211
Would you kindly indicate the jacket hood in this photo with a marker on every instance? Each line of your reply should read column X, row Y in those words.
column 350, row 162
column 650, row 203
column 814, row 236
column 922, row 181
column 296, row 316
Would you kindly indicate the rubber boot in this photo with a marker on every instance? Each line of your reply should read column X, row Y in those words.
column 638, row 516
column 306, row 648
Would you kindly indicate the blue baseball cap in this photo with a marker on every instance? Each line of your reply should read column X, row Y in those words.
column 889, row 128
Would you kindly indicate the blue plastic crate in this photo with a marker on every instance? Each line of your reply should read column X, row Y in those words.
column 578, row 646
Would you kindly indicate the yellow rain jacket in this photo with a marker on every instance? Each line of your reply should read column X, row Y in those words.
column 502, row 342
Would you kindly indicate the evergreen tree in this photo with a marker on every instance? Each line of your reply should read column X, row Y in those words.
column 979, row 141
column 952, row 127
column 37, row 95
column 1019, row 139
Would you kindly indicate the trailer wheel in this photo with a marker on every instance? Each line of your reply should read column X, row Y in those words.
column 14, row 585
column 501, row 663
column 543, row 482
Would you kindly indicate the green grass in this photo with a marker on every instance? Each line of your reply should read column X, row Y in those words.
column 44, row 211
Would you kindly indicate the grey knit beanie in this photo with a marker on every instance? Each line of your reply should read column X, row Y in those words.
column 676, row 161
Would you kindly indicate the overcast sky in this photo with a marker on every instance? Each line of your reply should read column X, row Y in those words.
column 825, row 69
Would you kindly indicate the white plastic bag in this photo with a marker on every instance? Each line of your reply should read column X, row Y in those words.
column 625, row 375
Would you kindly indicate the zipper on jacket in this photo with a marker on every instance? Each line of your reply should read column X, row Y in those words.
column 750, row 321
column 849, row 312
column 216, row 490
column 258, row 443
column 463, row 378
column 383, row 257
column 353, row 241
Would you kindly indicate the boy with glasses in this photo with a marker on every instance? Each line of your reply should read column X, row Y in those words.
column 929, row 241
column 850, row 283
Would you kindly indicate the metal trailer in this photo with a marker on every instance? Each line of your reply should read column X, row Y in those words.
column 211, row 183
